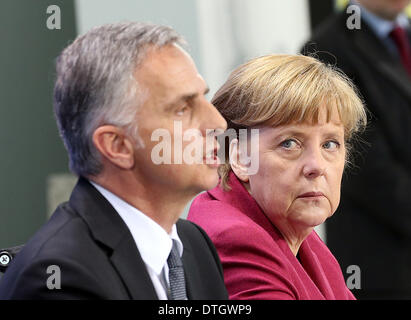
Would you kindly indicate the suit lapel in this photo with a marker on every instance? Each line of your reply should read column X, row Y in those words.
column 313, row 268
column 192, row 277
column 109, row 230
column 131, row 268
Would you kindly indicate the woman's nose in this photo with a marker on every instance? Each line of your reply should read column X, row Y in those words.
column 314, row 164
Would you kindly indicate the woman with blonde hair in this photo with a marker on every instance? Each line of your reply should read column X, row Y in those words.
column 262, row 221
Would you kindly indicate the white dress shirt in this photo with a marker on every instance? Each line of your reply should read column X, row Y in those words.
column 153, row 242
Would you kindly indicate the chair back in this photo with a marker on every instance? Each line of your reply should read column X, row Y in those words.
column 6, row 256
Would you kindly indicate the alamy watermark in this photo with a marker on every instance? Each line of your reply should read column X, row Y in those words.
column 54, row 280
column 354, row 280
column 53, row 21
column 354, row 20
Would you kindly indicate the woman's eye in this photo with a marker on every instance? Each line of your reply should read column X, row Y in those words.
column 331, row 145
column 289, row 144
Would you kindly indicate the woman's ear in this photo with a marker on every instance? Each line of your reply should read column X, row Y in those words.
column 115, row 146
column 240, row 169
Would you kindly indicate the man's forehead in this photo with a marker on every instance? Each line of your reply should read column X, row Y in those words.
column 161, row 64
column 168, row 67
column 169, row 59
column 169, row 74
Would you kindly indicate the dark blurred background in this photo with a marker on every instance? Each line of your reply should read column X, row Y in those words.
column 31, row 147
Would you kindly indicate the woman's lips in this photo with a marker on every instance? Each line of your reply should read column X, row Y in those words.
column 312, row 194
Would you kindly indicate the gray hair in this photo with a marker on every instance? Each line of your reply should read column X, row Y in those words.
column 95, row 85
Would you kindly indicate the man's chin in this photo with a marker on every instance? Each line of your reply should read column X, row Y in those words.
column 210, row 181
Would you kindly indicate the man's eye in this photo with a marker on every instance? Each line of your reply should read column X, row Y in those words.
column 331, row 145
column 182, row 110
column 289, row 144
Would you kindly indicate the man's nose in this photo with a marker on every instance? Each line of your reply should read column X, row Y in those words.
column 213, row 119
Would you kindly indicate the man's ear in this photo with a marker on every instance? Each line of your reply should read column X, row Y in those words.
column 114, row 145
column 240, row 169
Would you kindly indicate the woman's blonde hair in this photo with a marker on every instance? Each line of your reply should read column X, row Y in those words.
column 277, row 90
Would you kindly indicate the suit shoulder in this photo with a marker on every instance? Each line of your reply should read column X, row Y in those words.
column 191, row 231
column 63, row 230
column 64, row 236
column 63, row 242
column 327, row 37
column 333, row 26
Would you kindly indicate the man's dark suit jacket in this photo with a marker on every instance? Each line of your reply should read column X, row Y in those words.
column 99, row 259
column 372, row 227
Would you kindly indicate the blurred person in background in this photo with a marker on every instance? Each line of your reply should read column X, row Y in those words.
column 119, row 236
column 373, row 227
column 262, row 223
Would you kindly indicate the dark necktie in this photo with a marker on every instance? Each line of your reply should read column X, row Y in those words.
column 176, row 275
column 399, row 35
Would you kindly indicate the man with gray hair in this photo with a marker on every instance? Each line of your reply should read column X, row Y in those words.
column 119, row 236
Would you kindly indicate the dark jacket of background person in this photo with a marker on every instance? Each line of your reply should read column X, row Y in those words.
column 372, row 227
column 97, row 257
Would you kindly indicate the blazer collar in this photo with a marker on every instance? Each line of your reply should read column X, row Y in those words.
column 109, row 229
column 241, row 199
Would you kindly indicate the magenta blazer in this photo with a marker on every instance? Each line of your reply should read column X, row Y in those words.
column 257, row 261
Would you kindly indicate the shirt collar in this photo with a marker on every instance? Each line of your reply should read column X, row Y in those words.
column 380, row 26
column 153, row 242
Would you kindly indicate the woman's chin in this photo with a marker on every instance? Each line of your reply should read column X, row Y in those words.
column 314, row 218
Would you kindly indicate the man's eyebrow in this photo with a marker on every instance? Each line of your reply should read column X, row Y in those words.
column 192, row 96
column 185, row 97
